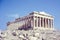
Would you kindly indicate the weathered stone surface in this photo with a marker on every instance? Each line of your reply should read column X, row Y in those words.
column 29, row 35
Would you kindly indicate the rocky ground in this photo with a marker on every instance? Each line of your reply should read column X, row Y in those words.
column 30, row 35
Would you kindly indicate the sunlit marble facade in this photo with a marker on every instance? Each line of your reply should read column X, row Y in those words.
column 35, row 20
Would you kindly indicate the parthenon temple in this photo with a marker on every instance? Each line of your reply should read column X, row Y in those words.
column 35, row 20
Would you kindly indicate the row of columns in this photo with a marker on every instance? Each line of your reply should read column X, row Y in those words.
column 39, row 22
column 43, row 22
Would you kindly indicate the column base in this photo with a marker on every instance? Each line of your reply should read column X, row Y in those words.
column 42, row 28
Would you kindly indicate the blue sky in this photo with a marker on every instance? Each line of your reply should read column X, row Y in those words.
column 11, row 9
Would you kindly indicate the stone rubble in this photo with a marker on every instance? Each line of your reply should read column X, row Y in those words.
column 29, row 35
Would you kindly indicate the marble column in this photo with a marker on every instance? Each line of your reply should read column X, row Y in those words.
column 34, row 21
column 43, row 21
column 40, row 21
column 37, row 21
column 51, row 23
column 48, row 23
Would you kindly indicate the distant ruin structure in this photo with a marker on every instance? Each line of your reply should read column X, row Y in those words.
column 35, row 20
